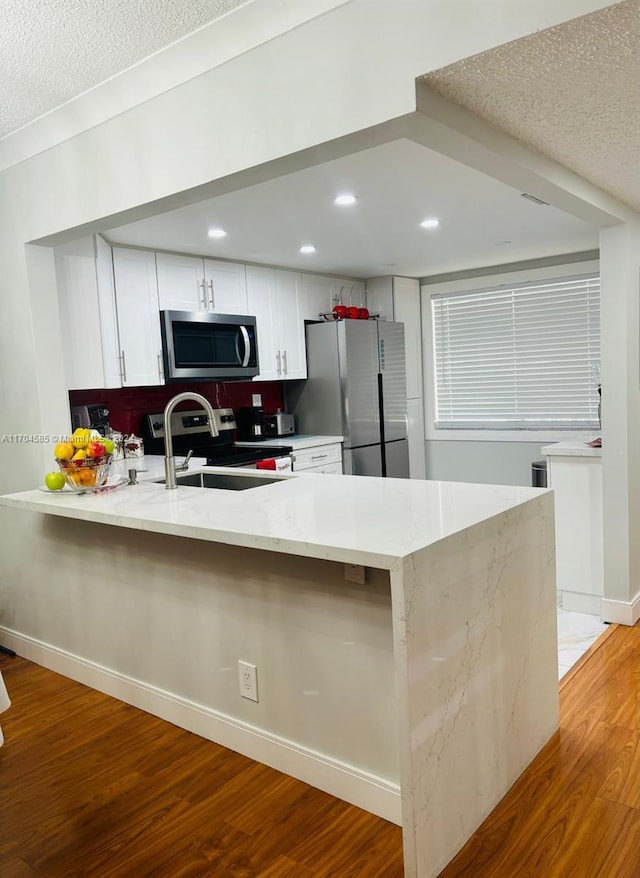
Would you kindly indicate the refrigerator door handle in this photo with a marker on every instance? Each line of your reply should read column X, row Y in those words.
column 383, row 454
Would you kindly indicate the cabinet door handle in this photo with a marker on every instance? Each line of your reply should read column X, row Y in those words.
column 279, row 362
column 123, row 373
column 160, row 369
column 284, row 362
column 318, row 456
column 203, row 297
column 212, row 304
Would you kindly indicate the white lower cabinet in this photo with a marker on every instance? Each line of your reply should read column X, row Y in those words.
column 318, row 459
column 576, row 479
column 273, row 297
column 136, row 293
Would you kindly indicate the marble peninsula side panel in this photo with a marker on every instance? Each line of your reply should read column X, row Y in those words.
column 476, row 674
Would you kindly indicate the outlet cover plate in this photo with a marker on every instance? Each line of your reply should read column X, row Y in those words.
column 248, row 680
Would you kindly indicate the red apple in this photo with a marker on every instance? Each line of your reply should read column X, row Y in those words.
column 96, row 449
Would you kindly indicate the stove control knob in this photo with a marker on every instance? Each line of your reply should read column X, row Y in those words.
column 157, row 425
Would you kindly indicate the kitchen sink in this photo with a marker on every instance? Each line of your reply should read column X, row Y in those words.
column 226, row 481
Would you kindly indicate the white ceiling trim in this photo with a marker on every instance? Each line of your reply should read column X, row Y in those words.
column 242, row 28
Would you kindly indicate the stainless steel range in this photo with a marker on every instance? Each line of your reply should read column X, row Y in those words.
column 190, row 431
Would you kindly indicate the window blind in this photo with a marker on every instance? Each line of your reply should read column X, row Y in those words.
column 518, row 357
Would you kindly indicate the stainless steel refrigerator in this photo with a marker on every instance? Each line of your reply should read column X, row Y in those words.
column 357, row 388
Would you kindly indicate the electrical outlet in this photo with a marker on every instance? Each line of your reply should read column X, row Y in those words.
column 355, row 573
column 256, row 399
column 248, row 675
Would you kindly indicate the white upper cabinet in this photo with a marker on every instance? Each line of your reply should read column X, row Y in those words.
column 225, row 287
column 291, row 324
column 189, row 283
column 318, row 296
column 350, row 292
column 108, row 314
column 84, row 276
column 181, row 284
column 261, row 297
column 398, row 298
column 138, row 317
column 274, row 297
column 380, row 297
column 406, row 305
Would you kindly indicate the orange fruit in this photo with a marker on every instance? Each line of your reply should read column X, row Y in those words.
column 87, row 477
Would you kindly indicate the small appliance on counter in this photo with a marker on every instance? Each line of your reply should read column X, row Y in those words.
column 278, row 424
column 250, row 423
column 95, row 416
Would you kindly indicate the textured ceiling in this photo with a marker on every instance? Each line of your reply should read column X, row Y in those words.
column 571, row 92
column 53, row 50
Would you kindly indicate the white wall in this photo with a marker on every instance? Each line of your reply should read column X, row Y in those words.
column 486, row 463
column 620, row 319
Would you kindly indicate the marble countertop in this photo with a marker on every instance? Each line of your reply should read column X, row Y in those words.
column 571, row 448
column 296, row 442
column 353, row 519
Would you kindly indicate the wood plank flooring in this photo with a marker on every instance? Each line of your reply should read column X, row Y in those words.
column 92, row 787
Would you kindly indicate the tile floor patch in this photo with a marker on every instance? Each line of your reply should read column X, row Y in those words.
column 576, row 633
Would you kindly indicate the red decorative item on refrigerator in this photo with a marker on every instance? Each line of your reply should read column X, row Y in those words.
column 266, row 464
column 363, row 313
column 353, row 312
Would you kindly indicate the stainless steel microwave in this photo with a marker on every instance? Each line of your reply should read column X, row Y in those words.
column 203, row 346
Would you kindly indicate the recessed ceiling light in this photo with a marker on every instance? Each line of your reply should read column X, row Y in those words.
column 217, row 233
column 345, row 199
column 307, row 248
column 430, row 223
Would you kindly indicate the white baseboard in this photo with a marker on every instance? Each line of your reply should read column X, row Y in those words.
column 621, row 612
column 339, row 779
column 578, row 602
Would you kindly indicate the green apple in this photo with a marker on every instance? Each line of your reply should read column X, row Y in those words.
column 108, row 445
column 54, row 481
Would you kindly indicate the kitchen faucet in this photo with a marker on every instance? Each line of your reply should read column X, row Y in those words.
column 169, row 465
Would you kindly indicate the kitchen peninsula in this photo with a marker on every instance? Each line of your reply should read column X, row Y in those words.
column 420, row 693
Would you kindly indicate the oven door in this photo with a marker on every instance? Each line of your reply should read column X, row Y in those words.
column 199, row 345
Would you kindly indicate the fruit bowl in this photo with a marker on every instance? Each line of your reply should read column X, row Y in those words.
column 91, row 472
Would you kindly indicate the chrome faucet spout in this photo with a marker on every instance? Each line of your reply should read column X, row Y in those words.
column 169, row 464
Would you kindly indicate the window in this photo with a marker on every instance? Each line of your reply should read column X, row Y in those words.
column 520, row 357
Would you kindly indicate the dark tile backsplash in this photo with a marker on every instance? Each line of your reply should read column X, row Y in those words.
column 128, row 405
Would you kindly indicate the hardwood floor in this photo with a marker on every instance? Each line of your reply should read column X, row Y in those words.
column 575, row 812
column 90, row 786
